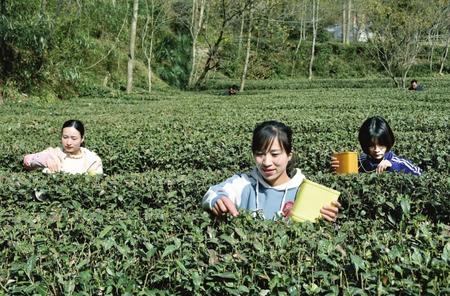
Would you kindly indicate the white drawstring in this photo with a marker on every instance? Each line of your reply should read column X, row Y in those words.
column 280, row 211
column 256, row 201
column 364, row 169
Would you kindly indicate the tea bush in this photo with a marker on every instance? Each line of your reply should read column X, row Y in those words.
column 140, row 230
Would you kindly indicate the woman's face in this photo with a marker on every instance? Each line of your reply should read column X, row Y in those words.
column 377, row 151
column 272, row 164
column 71, row 140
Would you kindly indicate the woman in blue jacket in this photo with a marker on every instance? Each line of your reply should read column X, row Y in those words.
column 376, row 139
column 270, row 188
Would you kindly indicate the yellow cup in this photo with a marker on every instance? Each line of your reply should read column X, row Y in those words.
column 310, row 198
column 348, row 162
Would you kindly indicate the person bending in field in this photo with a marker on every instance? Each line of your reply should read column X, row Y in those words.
column 71, row 157
column 376, row 139
column 270, row 188
column 232, row 90
column 415, row 86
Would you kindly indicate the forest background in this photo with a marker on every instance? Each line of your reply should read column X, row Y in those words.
column 61, row 48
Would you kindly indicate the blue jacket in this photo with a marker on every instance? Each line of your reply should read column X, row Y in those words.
column 251, row 192
column 368, row 164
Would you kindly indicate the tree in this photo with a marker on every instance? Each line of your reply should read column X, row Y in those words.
column 241, row 35
column 132, row 46
column 314, row 21
column 398, row 28
column 345, row 20
column 301, row 11
column 156, row 17
column 227, row 11
column 247, row 56
column 440, row 13
column 3, row 59
column 197, row 21
column 349, row 21
column 445, row 54
column 432, row 35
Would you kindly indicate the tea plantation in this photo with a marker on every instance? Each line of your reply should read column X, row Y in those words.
column 140, row 230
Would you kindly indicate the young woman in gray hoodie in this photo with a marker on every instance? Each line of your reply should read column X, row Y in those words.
column 269, row 189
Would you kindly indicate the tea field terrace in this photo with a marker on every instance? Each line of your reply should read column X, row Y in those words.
column 139, row 229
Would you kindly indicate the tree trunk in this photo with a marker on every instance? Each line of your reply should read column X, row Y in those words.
column 349, row 21
column 344, row 22
column 132, row 46
column 6, row 63
column 257, row 43
column 209, row 64
column 409, row 59
column 444, row 57
column 149, row 63
column 196, row 26
column 149, row 52
column 241, row 35
column 194, row 42
column 299, row 43
column 315, row 12
column 247, row 56
column 297, row 48
column 404, row 76
column 431, row 43
column 304, row 19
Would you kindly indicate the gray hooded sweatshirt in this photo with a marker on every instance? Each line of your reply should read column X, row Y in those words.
column 251, row 192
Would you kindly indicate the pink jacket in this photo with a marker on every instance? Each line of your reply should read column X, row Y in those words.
column 86, row 162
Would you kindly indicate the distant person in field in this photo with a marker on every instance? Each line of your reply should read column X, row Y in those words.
column 270, row 188
column 71, row 157
column 414, row 85
column 232, row 90
column 376, row 139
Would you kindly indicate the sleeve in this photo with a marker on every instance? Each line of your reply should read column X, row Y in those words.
column 231, row 188
column 403, row 165
column 96, row 167
column 37, row 160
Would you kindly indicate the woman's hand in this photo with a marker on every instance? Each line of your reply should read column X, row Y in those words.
column 383, row 165
column 27, row 162
column 330, row 211
column 334, row 163
column 224, row 205
column 53, row 164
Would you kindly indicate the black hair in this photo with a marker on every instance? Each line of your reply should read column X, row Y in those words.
column 414, row 80
column 267, row 132
column 78, row 125
column 375, row 129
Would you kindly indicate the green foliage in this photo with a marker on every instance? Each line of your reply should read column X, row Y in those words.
column 174, row 57
column 24, row 44
column 61, row 49
column 139, row 229
column 333, row 60
column 398, row 27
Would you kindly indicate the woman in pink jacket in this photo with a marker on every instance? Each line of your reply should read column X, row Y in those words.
column 71, row 157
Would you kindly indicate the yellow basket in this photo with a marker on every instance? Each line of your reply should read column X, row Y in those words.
column 310, row 198
column 348, row 162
